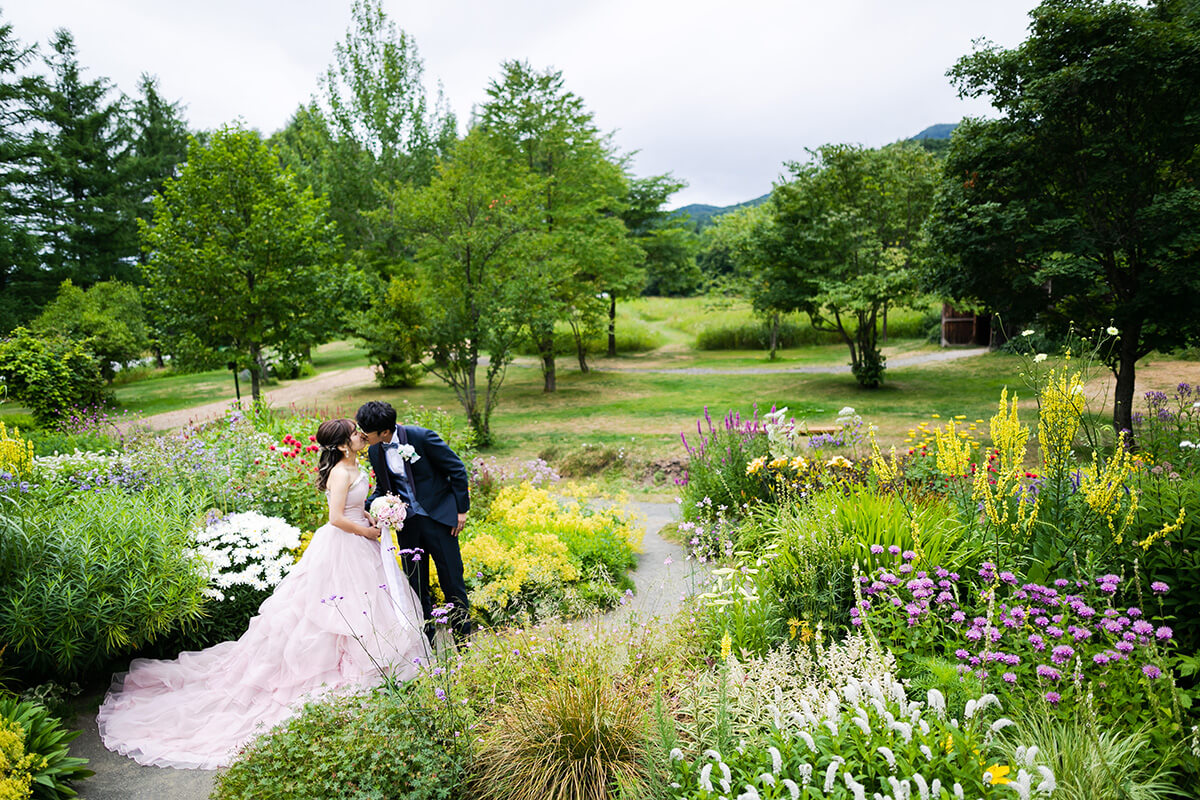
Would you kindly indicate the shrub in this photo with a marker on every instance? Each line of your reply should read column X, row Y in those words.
column 577, row 736
column 49, row 375
column 35, row 745
column 359, row 747
column 246, row 556
column 531, row 551
column 87, row 578
column 757, row 336
column 16, row 454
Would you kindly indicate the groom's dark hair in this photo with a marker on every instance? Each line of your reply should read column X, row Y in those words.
column 375, row 416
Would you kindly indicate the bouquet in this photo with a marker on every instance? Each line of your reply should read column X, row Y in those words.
column 389, row 510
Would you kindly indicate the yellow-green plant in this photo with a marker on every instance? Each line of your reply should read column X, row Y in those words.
column 16, row 766
column 1008, row 508
column 16, row 454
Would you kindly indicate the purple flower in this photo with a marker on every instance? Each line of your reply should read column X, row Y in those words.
column 1009, row 578
column 974, row 635
column 1163, row 633
column 1142, row 628
column 876, row 549
column 1062, row 654
column 1158, row 587
column 908, row 555
column 1101, row 659
column 1010, row 678
column 1053, row 697
column 894, row 550
column 1151, row 671
column 1134, row 612
column 439, row 693
column 1037, row 641
column 987, row 570
column 1046, row 671
column 961, row 654
column 1124, row 647
column 958, row 616
column 1062, row 582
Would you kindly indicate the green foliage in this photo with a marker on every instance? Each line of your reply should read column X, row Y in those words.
column 717, row 479
column 49, row 375
column 1078, row 205
column 471, row 231
column 391, row 330
column 53, row 769
column 352, row 748
column 841, row 242
column 577, row 735
column 108, row 316
column 89, row 577
column 757, row 336
column 240, row 257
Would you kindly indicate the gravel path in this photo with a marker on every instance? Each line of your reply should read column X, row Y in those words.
column 304, row 392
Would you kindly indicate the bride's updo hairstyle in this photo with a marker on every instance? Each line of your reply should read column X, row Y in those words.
column 331, row 435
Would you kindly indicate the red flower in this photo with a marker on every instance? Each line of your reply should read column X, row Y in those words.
column 272, row 447
column 312, row 438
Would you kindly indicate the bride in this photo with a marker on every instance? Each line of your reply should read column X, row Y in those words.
column 331, row 624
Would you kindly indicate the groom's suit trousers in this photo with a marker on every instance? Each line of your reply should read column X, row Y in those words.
column 442, row 549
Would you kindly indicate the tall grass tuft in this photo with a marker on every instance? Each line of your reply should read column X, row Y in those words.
column 1094, row 764
column 577, row 736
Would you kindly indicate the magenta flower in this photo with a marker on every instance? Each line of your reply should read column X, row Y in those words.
column 1046, row 671
column 1151, row 671
column 1053, row 697
column 1010, row 678
column 1163, row 633
column 876, row 549
column 1158, row 587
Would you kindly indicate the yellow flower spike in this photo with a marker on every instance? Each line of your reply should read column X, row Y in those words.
column 726, row 645
column 1163, row 532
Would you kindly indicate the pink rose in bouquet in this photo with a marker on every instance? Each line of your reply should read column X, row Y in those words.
column 389, row 510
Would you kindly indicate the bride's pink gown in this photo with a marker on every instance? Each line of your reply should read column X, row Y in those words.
column 327, row 627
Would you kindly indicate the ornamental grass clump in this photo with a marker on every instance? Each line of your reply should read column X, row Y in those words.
column 717, row 459
column 579, row 735
column 867, row 739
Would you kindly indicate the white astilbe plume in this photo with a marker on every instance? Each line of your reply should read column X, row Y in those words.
column 1001, row 724
column 725, row 773
column 776, row 759
column 792, row 788
column 888, row 756
column 1022, row 784
column 958, row 791
column 767, row 779
column 922, row 786
column 831, row 773
column 1048, row 784
column 937, row 702
column 859, row 790
column 676, row 754
column 808, row 740
column 714, row 755
column 706, row 777
column 902, row 728
column 806, row 773
column 925, row 751
column 1030, row 756
column 750, row 794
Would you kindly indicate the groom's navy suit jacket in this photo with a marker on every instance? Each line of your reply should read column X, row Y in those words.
column 438, row 476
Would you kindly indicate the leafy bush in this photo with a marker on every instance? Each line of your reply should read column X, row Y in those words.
column 34, row 744
column 16, row 454
column 49, row 375
column 533, row 554
column 352, row 748
column 633, row 336
column 92, row 576
column 757, row 336
column 246, row 556
column 577, row 735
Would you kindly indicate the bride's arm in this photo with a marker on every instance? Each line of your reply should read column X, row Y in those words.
column 339, row 487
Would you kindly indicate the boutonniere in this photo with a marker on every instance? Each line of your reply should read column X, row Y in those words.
column 408, row 453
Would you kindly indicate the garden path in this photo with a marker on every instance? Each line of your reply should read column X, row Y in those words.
column 306, row 392
column 661, row 579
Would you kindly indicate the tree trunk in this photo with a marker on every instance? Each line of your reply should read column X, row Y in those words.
column 581, row 351
column 546, row 350
column 774, row 334
column 885, row 310
column 1123, row 394
column 255, row 373
column 158, row 357
column 612, row 326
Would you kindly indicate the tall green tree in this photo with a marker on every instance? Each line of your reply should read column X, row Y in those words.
column 241, row 257
column 844, row 242
column 476, row 233
column 158, row 143
column 23, row 285
column 381, row 128
column 548, row 130
column 1080, row 202
column 81, row 207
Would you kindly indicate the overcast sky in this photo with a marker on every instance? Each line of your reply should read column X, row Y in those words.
column 718, row 93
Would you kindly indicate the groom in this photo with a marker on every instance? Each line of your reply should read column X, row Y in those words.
column 433, row 483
